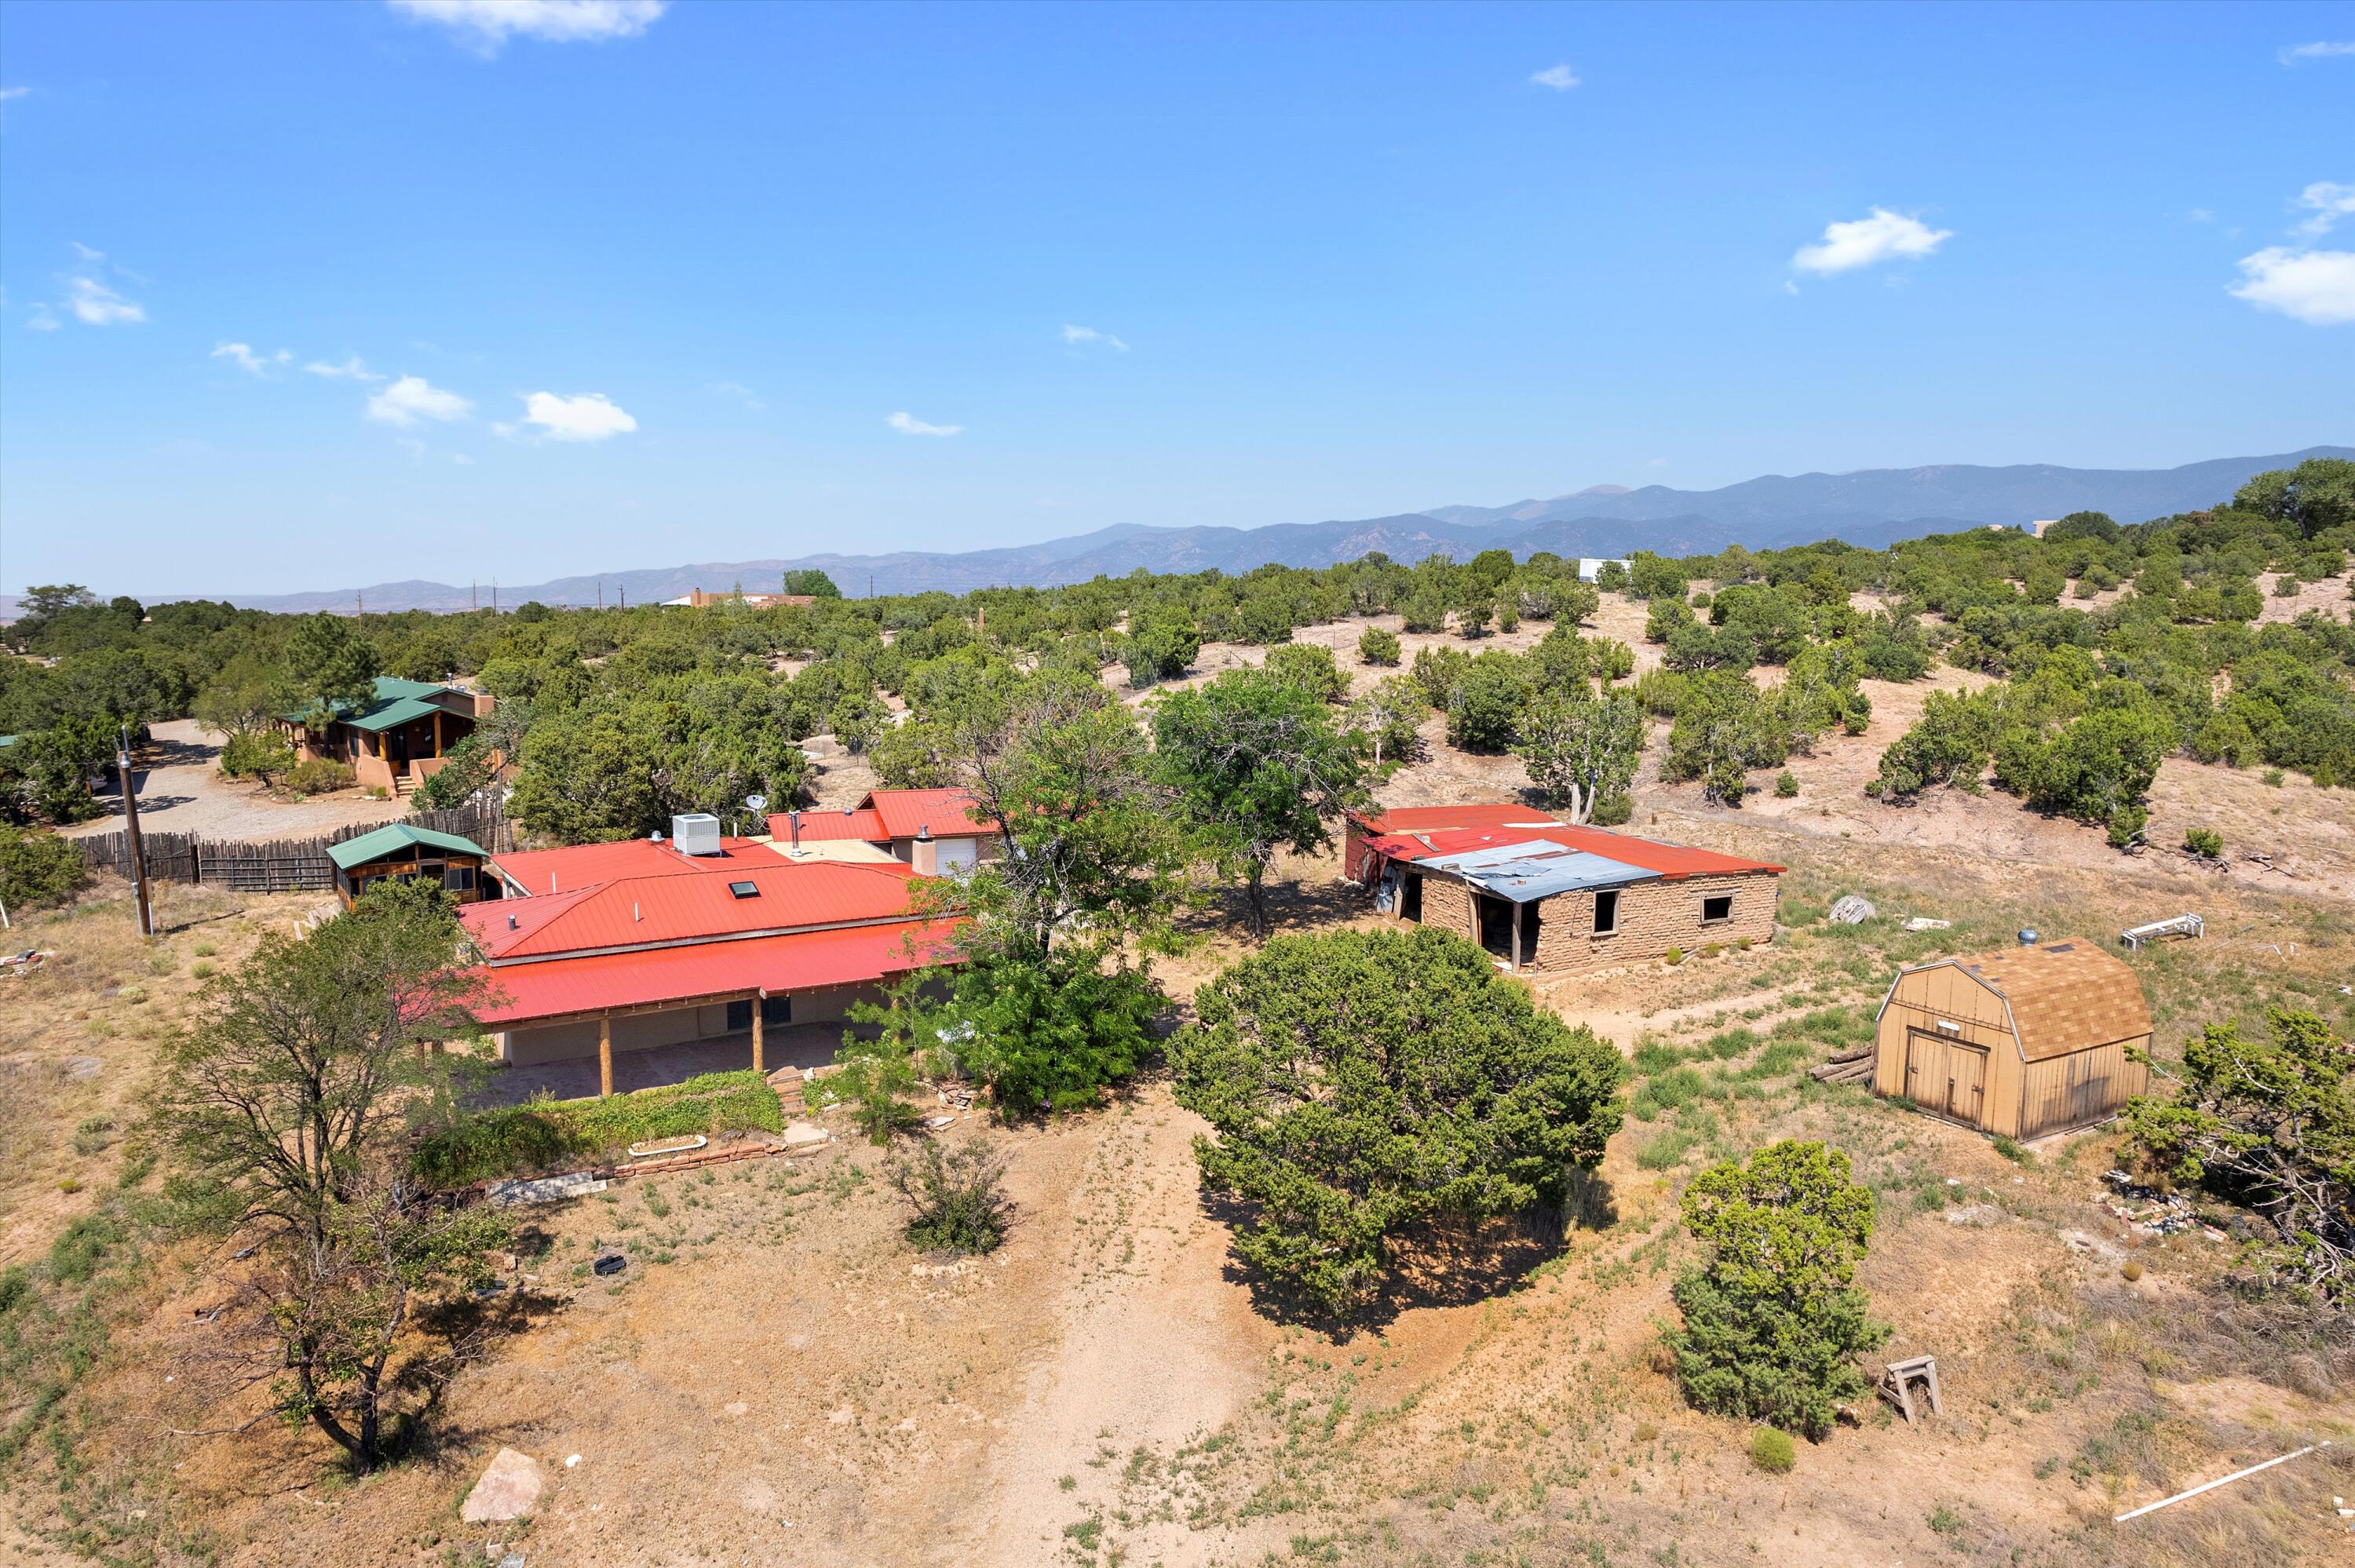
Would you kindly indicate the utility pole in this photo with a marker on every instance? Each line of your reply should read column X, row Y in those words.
column 495, row 596
column 600, row 593
column 131, row 826
column 359, row 605
column 625, row 593
column 870, row 584
column 474, row 596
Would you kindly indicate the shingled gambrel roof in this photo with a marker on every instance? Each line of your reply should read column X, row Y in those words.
column 2064, row 997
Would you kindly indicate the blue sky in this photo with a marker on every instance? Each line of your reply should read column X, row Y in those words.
column 619, row 284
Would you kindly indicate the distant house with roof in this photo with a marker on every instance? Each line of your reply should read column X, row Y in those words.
column 403, row 852
column 398, row 738
column 625, row 947
column 1547, row 896
column 703, row 599
column 938, row 832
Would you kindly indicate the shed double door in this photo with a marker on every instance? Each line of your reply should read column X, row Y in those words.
column 1946, row 1076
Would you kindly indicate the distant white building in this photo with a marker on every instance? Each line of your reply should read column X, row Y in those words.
column 1591, row 566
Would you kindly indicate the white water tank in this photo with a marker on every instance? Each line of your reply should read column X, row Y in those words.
column 697, row 832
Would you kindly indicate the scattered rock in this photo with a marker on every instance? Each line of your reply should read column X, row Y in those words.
column 841, row 1416
column 806, row 1135
column 735, row 1407
column 1850, row 909
column 1973, row 1214
column 82, row 1067
column 510, row 1489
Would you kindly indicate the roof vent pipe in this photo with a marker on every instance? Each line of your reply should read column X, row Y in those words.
column 795, row 818
column 924, row 832
column 2028, row 937
column 512, row 922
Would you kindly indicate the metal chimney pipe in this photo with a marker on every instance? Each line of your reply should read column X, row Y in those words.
column 795, row 818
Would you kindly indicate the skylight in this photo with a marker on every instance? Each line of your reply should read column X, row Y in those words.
column 745, row 889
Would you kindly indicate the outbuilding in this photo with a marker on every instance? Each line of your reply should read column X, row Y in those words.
column 2031, row 1041
column 405, row 851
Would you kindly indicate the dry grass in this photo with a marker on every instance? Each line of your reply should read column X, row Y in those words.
column 778, row 1380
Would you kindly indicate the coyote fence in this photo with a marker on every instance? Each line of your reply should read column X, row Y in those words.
column 279, row 866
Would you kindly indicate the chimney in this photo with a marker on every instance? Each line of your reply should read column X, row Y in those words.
column 925, row 855
column 795, row 820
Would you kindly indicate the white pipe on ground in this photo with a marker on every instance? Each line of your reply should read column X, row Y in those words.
column 2220, row 1481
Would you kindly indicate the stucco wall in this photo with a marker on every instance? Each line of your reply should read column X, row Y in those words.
column 1653, row 918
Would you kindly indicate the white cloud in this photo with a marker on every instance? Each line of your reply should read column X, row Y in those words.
column 909, row 425
column 1657, row 462
column 1879, row 237
column 2317, row 287
column 590, row 417
column 1557, row 78
column 2329, row 201
column 741, row 393
column 485, row 25
column 85, row 253
column 1078, row 335
column 2198, row 215
column 42, row 318
column 2299, row 52
column 255, row 363
column 412, row 399
column 8, row 93
column 350, row 369
column 95, row 304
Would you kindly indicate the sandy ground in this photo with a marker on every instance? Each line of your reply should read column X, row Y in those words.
column 777, row 1379
column 181, row 791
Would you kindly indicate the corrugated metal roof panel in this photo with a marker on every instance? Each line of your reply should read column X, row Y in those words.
column 1527, row 879
column 565, row 986
column 634, row 911
column 864, row 824
column 950, row 813
column 1423, row 833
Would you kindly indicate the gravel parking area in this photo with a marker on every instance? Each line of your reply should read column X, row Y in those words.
column 181, row 791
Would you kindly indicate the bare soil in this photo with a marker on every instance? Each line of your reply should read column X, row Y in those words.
column 777, row 1378
column 182, row 790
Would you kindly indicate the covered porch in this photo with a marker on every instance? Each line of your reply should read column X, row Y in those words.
column 800, row 1046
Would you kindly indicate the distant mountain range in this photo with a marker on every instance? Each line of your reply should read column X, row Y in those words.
column 1870, row 508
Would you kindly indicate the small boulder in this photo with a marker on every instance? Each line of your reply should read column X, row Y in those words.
column 510, row 1489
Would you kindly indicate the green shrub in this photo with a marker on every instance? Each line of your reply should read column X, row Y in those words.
column 1311, row 667
column 1773, row 1451
column 2010, row 1150
column 958, row 1197
column 319, row 776
column 2206, row 841
column 1772, row 1321
column 1731, row 1042
column 1787, row 784
column 256, row 754
column 1663, row 1149
column 544, row 1133
column 37, row 868
column 1378, row 646
column 1673, row 957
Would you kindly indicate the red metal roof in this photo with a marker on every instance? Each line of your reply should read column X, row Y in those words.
column 829, row 827
column 700, row 905
column 582, row 864
column 1420, row 833
column 563, row 987
column 950, row 813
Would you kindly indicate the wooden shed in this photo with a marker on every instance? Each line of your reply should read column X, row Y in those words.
column 404, row 852
column 2026, row 1041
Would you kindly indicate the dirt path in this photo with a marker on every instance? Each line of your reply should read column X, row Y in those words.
column 1155, row 1350
column 182, row 791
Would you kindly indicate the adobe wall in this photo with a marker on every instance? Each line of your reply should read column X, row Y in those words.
column 1447, row 904
column 1653, row 918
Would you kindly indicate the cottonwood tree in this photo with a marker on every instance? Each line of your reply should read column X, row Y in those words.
column 2269, row 1125
column 1580, row 750
column 1052, row 1000
column 286, row 1102
column 1772, row 1321
column 1359, row 1083
column 1256, row 767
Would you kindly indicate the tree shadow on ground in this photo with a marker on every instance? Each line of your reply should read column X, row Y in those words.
column 1450, row 1261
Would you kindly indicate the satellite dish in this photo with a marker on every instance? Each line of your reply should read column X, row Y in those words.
column 756, row 802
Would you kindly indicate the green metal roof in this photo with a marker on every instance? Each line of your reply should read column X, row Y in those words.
column 391, row 714
column 394, row 837
column 409, row 697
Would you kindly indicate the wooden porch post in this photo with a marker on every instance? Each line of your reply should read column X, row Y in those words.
column 758, row 1038
column 437, row 732
column 604, row 1053
column 1521, row 954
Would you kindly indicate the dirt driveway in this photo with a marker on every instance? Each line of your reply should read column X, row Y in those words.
column 181, row 791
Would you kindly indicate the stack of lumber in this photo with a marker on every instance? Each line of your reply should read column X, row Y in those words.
column 1853, row 1065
